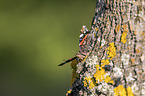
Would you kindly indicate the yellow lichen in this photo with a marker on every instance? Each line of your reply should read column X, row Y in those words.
column 129, row 91
column 69, row 91
column 111, row 50
column 97, row 67
column 123, row 37
column 99, row 75
column 91, row 85
column 84, row 59
column 89, row 81
column 124, row 34
column 105, row 62
column 108, row 80
column 85, row 83
column 121, row 91
column 111, row 81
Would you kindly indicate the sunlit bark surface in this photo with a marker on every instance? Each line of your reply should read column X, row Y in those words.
column 115, row 48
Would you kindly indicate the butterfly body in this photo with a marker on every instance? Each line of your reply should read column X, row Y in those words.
column 81, row 54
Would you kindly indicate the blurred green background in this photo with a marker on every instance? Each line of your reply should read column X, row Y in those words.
column 35, row 36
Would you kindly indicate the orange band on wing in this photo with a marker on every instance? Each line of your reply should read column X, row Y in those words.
column 81, row 43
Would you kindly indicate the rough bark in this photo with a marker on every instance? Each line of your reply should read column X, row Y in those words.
column 115, row 52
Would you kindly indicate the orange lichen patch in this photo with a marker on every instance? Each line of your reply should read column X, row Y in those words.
column 126, row 30
column 117, row 28
column 122, row 51
column 134, row 3
column 131, row 27
column 140, row 47
column 121, row 91
column 142, row 33
column 137, row 50
column 111, row 50
column 94, row 35
column 124, row 17
column 96, row 29
column 108, row 80
column 118, row 49
column 123, row 37
column 101, row 19
column 122, row 10
column 135, row 32
column 140, row 72
column 133, row 60
column 94, row 22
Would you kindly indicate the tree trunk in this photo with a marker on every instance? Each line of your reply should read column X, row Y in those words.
column 115, row 48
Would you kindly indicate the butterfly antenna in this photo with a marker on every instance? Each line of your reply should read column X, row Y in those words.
column 67, row 61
